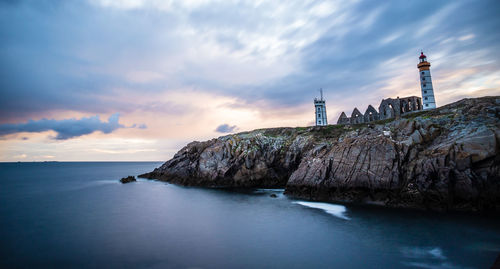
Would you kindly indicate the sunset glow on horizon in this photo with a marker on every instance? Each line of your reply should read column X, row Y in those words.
column 136, row 80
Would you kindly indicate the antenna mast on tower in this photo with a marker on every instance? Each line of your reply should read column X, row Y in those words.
column 321, row 93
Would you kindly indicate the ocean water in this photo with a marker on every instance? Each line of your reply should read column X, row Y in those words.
column 77, row 215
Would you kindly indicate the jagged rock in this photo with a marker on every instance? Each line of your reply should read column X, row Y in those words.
column 263, row 158
column 443, row 159
column 128, row 179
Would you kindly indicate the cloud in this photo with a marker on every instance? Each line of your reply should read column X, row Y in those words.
column 226, row 128
column 269, row 55
column 20, row 156
column 139, row 126
column 182, row 67
column 67, row 128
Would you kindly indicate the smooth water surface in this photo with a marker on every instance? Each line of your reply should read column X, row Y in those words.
column 77, row 215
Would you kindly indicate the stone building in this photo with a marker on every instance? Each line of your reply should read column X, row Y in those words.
column 356, row 117
column 394, row 108
column 388, row 108
column 371, row 114
column 343, row 119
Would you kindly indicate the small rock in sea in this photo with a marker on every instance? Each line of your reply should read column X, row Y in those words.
column 273, row 195
column 128, row 179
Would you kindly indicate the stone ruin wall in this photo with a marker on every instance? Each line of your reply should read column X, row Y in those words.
column 389, row 108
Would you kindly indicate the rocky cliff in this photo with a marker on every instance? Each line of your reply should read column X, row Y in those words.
column 444, row 159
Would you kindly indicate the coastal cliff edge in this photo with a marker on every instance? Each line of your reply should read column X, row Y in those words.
column 441, row 159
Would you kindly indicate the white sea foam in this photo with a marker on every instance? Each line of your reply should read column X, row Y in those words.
column 103, row 182
column 423, row 252
column 423, row 265
column 269, row 190
column 335, row 210
column 90, row 184
column 428, row 258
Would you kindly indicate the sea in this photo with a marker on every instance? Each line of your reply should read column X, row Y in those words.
column 78, row 215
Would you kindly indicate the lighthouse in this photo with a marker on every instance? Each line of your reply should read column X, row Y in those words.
column 426, row 82
column 320, row 110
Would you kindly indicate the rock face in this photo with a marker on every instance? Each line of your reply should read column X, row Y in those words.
column 263, row 158
column 443, row 159
column 128, row 179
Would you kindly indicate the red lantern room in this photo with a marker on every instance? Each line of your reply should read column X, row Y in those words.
column 422, row 57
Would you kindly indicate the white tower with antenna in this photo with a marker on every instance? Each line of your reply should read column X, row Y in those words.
column 320, row 110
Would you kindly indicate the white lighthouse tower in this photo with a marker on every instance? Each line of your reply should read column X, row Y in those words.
column 426, row 83
column 320, row 110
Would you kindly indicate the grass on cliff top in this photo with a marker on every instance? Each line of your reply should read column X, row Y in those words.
column 330, row 131
column 382, row 122
column 417, row 114
column 426, row 114
column 277, row 132
column 334, row 131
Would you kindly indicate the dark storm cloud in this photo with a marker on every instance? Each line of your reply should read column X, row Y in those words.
column 73, row 55
column 226, row 128
column 67, row 128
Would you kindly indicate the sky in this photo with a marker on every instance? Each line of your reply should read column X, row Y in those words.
column 136, row 80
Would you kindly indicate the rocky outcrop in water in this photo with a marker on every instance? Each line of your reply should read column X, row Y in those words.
column 128, row 179
column 444, row 159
